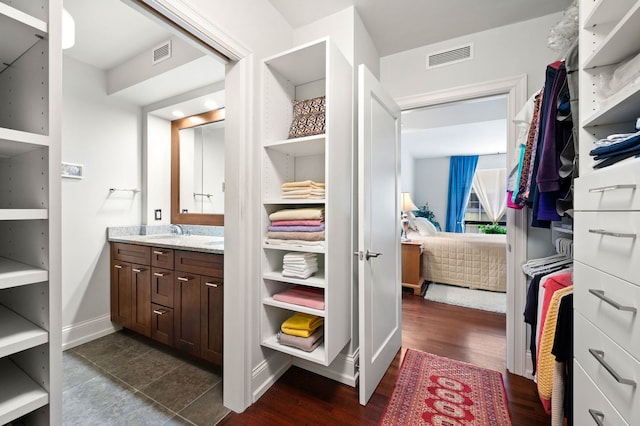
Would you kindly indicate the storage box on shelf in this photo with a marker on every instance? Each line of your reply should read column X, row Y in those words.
column 30, row 329
column 313, row 70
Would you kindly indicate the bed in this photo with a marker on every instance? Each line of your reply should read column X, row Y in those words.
column 466, row 260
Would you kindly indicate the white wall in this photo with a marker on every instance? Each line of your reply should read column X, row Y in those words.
column 158, row 170
column 104, row 136
column 498, row 53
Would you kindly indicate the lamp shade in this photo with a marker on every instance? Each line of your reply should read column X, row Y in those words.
column 407, row 203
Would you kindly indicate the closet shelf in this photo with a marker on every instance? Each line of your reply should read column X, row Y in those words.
column 18, row 334
column 316, row 280
column 300, row 147
column 292, row 307
column 22, row 396
column 23, row 214
column 293, row 201
column 14, row 274
column 317, row 356
column 621, row 42
column 622, row 107
column 17, row 16
column 307, row 249
column 15, row 142
column 301, row 64
column 607, row 11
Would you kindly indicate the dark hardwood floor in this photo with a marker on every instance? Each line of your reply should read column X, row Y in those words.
column 477, row 337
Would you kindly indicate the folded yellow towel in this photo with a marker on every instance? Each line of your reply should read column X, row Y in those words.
column 301, row 324
column 301, row 213
column 303, row 183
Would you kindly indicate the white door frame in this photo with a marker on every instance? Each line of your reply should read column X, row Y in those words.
column 240, row 192
column 515, row 88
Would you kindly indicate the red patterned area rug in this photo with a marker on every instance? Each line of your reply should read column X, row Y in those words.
column 431, row 390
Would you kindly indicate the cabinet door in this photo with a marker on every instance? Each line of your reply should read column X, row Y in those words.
column 162, row 287
column 141, row 299
column 187, row 312
column 162, row 324
column 211, row 315
column 121, row 293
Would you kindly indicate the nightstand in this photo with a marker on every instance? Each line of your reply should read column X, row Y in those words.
column 412, row 265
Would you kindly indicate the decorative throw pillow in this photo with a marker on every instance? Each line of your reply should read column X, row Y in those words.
column 425, row 228
column 308, row 117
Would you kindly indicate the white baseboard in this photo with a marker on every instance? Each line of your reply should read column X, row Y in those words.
column 265, row 374
column 76, row 334
column 343, row 369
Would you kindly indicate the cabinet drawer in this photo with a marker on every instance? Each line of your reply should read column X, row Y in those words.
column 609, row 302
column 162, row 290
column 199, row 263
column 623, row 396
column 131, row 253
column 162, row 257
column 605, row 241
column 613, row 188
column 588, row 399
column 162, row 324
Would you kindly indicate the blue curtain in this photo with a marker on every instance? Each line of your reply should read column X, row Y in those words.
column 461, row 171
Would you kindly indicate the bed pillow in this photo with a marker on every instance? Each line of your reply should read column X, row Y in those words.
column 424, row 227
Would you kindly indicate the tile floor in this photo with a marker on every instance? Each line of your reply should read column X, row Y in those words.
column 123, row 379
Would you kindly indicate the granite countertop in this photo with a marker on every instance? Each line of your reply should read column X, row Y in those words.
column 146, row 237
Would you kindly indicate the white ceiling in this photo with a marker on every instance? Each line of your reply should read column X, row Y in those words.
column 400, row 25
column 473, row 127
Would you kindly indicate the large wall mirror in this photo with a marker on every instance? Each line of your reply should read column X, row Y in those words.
column 197, row 169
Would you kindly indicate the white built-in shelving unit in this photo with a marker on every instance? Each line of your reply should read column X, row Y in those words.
column 30, row 85
column 606, row 226
column 309, row 71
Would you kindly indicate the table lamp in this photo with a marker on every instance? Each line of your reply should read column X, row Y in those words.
column 406, row 204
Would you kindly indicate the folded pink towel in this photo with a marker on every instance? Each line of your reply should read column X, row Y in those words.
column 304, row 296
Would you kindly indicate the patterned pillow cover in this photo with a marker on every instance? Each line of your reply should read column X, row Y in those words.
column 308, row 117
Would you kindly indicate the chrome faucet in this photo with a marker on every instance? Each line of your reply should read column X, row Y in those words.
column 176, row 229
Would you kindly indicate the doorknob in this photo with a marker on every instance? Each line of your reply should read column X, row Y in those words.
column 370, row 254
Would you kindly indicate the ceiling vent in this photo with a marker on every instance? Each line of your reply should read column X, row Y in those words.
column 450, row 56
column 161, row 53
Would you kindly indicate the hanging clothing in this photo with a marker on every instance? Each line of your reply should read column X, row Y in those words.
column 563, row 351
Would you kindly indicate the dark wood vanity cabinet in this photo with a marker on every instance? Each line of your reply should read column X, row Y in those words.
column 175, row 298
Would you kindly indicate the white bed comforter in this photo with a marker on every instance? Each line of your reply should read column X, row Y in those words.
column 466, row 260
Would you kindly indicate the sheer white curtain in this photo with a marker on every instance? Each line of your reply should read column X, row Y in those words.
column 490, row 185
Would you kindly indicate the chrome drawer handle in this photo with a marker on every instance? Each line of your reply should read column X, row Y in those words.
column 613, row 187
column 611, row 234
column 600, row 295
column 138, row 270
column 158, row 252
column 599, row 356
column 117, row 266
column 185, row 278
column 159, row 274
column 598, row 416
column 212, row 284
column 159, row 311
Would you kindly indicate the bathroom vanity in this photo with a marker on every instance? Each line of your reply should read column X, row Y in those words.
column 170, row 288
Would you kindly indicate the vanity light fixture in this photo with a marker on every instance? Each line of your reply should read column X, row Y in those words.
column 68, row 30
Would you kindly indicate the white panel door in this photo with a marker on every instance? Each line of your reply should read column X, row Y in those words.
column 380, row 290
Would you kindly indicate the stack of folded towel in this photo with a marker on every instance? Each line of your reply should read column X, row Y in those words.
column 303, row 296
column 297, row 227
column 302, row 331
column 303, row 189
column 299, row 265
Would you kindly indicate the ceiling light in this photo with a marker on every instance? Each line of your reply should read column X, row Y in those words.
column 211, row 105
column 178, row 114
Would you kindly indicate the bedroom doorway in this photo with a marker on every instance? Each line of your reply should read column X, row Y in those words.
column 495, row 103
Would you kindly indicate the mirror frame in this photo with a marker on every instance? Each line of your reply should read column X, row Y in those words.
column 177, row 125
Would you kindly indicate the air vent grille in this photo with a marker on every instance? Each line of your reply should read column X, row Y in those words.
column 450, row 56
column 162, row 52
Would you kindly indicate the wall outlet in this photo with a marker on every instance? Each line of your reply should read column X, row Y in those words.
column 158, row 214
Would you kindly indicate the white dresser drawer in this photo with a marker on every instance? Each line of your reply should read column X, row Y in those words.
column 625, row 397
column 609, row 302
column 605, row 241
column 613, row 188
column 588, row 402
